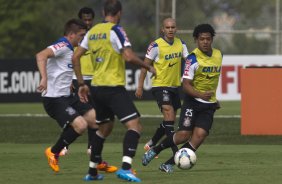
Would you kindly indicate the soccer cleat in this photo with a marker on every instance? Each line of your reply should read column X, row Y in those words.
column 147, row 148
column 168, row 168
column 64, row 151
column 148, row 156
column 127, row 175
column 88, row 177
column 104, row 166
column 52, row 160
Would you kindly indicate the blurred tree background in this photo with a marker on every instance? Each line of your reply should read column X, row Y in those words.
column 28, row 26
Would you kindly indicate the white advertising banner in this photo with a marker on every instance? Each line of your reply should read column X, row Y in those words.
column 229, row 86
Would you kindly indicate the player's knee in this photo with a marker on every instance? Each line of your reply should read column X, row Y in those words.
column 79, row 124
column 182, row 136
column 106, row 129
column 134, row 124
column 90, row 117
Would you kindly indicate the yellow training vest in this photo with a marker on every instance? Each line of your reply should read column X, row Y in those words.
column 207, row 75
column 86, row 64
column 109, row 66
column 168, row 67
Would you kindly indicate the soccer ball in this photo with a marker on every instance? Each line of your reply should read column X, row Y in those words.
column 185, row 158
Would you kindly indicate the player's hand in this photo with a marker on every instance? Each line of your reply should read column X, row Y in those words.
column 83, row 93
column 207, row 95
column 42, row 86
column 139, row 93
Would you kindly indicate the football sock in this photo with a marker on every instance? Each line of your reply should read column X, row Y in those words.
column 169, row 130
column 97, row 143
column 130, row 143
column 188, row 145
column 67, row 137
column 170, row 161
column 166, row 143
column 169, row 127
column 92, row 169
column 91, row 132
column 160, row 132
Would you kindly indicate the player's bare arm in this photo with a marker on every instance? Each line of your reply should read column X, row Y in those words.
column 131, row 57
column 189, row 89
column 41, row 60
column 143, row 74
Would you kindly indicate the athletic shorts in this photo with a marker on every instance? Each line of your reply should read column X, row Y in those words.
column 196, row 114
column 65, row 109
column 167, row 96
column 111, row 101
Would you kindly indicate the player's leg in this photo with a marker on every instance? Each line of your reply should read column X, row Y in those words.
column 169, row 117
column 97, row 144
column 160, row 131
column 90, row 117
column 180, row 136
column 72, row 123
column 104, row 121
column 127, row 113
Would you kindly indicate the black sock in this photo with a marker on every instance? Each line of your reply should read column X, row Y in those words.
column 92, row 170
column 97, row 145
column 91, row 132
column 169, row 130
column 160, row 132
column 166, row 143
column 188, row 145
column 67, row 137
column 130, row 143
column 169, row 127
column 170, row 161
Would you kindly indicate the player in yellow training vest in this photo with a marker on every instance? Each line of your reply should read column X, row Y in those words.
column 200, row 81
column 110, row 48
column 166, row 55
column 87, row 15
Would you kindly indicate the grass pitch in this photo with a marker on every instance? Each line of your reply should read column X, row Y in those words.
column 226, row 157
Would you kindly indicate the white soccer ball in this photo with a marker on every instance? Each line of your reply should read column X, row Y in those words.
column 185, row 158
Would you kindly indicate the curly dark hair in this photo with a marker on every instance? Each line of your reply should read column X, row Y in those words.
column 86, row 10
column 203, row 28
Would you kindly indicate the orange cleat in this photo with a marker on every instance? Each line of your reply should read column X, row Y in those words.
column 52, row 160
column 104, row 166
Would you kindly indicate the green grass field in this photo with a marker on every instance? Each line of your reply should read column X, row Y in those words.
column 225, row 158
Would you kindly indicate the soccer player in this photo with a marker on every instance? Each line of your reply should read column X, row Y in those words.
column 55, row 67
column 165, row 54
column 200, row 81
column 110, row 46
column 87, row 15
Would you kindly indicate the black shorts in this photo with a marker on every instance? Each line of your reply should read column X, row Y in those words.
column 65, row 109
column 196, row 114
column 167, row 96
column 111, row 101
